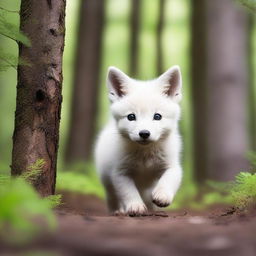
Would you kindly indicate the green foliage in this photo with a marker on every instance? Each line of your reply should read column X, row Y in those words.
column 215, row 197
column 251, row 156
column 82, row 179
column 21, row 207
column 9, row 30
column 213, row 193
column 243, row 190
column 8, row 60
column 251, row 4
column 8, row 11
column 33, row 171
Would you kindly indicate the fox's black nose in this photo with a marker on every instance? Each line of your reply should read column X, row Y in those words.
column 144, row 134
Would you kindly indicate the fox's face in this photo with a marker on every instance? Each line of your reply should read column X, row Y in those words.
column 145, row 111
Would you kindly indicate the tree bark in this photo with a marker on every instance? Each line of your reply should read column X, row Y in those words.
column 220, row 87
column 199, row 88
column 159, row 37
column 39, row 87
column 86, row 81
column 134, row 36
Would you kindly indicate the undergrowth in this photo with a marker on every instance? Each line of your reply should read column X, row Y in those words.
column 23, row 213
column 81, row 178
column 243, row 190
column 241, row 193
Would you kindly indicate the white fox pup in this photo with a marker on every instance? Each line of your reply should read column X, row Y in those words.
column 137, row 153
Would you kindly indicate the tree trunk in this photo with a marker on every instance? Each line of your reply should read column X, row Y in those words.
column 199, row 88
column 159, row 35
column 39, row 98
column 252, row 91
column 134, row 36
column 86, row 81
column 220, row 87
column 228, row 88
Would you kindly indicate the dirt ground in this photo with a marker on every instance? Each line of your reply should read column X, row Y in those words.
column 85, row 228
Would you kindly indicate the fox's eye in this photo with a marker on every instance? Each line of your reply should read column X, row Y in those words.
column 157, row 116
column 131, row 117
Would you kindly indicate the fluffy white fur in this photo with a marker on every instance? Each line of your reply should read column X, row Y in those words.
column 138, row 173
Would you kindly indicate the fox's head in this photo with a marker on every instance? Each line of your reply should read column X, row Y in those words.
column 145, row 111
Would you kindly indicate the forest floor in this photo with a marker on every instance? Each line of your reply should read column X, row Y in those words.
column 85, row 228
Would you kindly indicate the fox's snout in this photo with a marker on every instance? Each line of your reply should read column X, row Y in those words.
column 144, row 134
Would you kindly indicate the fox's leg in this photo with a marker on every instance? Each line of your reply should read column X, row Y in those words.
column 167, row 186
column 146, row 195
column 111, row 198
column 127, row 194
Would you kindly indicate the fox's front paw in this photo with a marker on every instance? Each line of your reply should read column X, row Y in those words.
column 119, row 212
column 161, row 198
column 136, row 209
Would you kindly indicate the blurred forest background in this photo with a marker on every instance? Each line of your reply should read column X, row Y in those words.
column 212, row 41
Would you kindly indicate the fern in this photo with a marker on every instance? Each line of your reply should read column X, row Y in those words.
column 53, row 200
column 243, row 191
column 20, row 203
column 33, row 171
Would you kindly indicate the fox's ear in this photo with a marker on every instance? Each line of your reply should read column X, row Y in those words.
column 117, row 83
column 171, row 82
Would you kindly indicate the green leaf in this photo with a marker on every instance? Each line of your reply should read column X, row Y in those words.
column 8, row 11
column 251, row 4
column 12, row 31
column 7, row 60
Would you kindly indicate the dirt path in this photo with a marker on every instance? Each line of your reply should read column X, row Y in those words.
column 86, row 229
